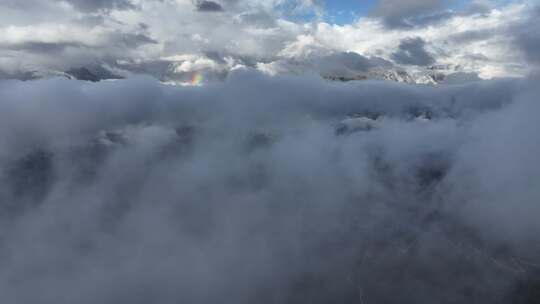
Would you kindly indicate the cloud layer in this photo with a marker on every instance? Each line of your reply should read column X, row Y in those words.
column 268, row 189
column 248, row 151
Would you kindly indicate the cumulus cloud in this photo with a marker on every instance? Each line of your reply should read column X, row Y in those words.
column 264, row 189
column 251, row 33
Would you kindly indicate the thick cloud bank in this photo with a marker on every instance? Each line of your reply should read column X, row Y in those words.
column 269, row 190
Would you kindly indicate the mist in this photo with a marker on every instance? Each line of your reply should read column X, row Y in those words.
column 269, row 189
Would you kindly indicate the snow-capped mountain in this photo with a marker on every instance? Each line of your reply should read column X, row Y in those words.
column 432, row 75
column 93, row 73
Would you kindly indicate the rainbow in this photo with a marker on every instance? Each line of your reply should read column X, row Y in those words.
column 196, row 79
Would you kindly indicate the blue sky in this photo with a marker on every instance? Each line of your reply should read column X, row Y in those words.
column 346, row 11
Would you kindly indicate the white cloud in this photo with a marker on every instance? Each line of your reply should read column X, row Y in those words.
column 499, row 55
column 477, row 41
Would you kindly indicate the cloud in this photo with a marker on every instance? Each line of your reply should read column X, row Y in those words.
column 254, row 188
column 249, row 33
column 396, row 12
column 100, row 5
column 246, row 190
column 129, row 40
column 461, row 78
column 49, row 48
column 208, row 6
column 528, row 36
column 47, row 51
column 473, row 36
column 412, row 51
column 333, row 65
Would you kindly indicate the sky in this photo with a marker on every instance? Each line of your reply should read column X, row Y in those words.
column 269, row 151
column 345, row 12
column 173, row 39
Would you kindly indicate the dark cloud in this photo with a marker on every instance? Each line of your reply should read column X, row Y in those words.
column 92, row 73
column 473, row 36
column 396, row 12
column 130, row 40
column 335, row 65
column 461, row 78
column 477, row 7
column 421, row 13
column 215, row 56
column 339, row 64
column 100, row 5
column 208, row 6
column 260, row 18
column 345, row 65
column 412, row 52
column 351, row 60
column 49, row 48
column 160, row 69
column 46, row 59
column 268, row 189
column 426, row 20
column 113, row 40
column 527, row 36
column 91, row 20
